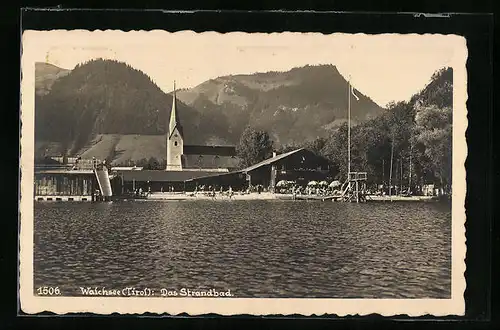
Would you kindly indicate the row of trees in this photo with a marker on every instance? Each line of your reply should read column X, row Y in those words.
column 415, row 137
column 416, row 141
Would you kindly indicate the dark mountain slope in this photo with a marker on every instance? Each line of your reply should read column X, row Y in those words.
column 109, row 97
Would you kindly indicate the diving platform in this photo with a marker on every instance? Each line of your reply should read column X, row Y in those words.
column 354, row 188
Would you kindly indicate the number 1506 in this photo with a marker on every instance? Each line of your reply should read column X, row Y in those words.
column 48, row 291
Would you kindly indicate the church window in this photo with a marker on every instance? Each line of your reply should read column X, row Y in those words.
column 175, row 143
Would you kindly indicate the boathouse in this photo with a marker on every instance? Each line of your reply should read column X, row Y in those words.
column 87, row 181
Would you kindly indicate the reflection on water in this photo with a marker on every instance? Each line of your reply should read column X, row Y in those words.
column 254, row 248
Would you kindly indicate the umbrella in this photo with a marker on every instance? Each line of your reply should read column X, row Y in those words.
column 334, row 184
column 281, row 183
column 312, row 183
column 323, row 183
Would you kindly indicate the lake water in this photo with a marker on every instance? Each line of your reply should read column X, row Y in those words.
column 254, row 248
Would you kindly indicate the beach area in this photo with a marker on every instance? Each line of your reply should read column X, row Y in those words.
column 169, row 196
column 182, row 196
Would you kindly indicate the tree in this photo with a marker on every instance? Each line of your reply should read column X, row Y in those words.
column 143, row 162
column 433, row 134
column 152, row 164
column 335, row 150
column 316, row 145
column 254, row 146
column 287, row 148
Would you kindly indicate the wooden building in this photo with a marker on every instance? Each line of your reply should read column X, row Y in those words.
column 160, row 181
column 300, row 165
column 67, row 183
column 63, row 184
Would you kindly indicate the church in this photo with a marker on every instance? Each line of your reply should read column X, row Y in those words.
column 183, row 162
column 181, row 157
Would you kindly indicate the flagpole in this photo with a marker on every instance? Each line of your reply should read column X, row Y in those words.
column 349, row 129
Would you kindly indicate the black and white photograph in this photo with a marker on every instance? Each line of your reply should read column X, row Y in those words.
column 242, row 173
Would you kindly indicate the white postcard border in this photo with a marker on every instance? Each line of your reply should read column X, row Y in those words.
column 29, row 303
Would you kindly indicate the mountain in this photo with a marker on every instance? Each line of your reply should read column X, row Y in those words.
column 438, row 92
column 104, row 97
column 293, row 106
column 46, row 75
column 108, row 109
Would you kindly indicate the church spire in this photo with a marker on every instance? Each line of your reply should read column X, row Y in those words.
column 174, row 116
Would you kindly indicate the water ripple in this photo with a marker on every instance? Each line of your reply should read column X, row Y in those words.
column 254, row 248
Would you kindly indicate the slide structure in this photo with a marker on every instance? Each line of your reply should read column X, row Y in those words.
column 104, row 182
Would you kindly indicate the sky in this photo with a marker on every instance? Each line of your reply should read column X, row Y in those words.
column 387, row 67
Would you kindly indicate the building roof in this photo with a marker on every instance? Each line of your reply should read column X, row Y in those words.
column 63, row 171
column 163, row 176
column 215, row 175
column 126, row 168
column 271, row 160
column 209, row 161
column 209, row 150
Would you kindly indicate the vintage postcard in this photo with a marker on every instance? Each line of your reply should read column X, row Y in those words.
column 242, row 173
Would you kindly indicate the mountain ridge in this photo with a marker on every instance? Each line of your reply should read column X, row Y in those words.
column 46, row 75
column 311, row 99
column 103, row 100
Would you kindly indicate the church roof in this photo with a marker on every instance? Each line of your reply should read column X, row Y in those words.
column 210, row 150
column 163, row 176
column 209, row 161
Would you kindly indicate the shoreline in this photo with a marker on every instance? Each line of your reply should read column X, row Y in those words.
column 376, row 198
column 202, row 196
column 272, row 196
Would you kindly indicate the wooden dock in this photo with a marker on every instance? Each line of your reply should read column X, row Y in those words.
column 375, row 198
column 319, row 198
column 56, row 198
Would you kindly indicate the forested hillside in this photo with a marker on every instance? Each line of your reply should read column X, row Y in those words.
column 417, row 133
column 108, row 97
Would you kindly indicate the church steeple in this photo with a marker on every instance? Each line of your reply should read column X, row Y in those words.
column 174, row 117
column 175, row 138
